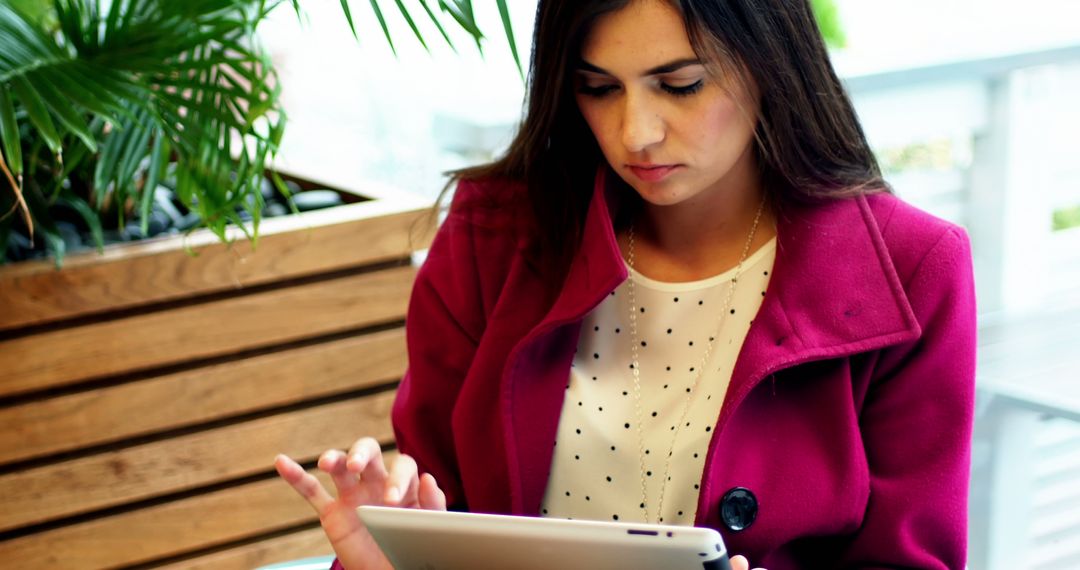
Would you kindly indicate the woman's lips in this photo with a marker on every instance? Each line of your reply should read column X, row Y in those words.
column 652, row 173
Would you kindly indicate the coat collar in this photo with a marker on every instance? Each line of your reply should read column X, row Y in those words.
column 597, row 268
column 833, row 284
column 834, row 292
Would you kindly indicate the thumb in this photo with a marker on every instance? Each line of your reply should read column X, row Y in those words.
column 739, row 563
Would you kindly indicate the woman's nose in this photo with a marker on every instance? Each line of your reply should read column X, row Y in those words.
column 642, row 125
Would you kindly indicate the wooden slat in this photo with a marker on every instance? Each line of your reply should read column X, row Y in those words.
column 109, row 479
column 110, row 414
column 167, row 530
column 303, row 544
column 204, row 330
column 170, row 529
column 129, row 275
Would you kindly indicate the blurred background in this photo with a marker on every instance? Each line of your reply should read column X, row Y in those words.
column 971, row 108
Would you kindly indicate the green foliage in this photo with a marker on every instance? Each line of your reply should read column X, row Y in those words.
column 938, row 154
column 37, row 11
column 94, row 95
column 1066, row 218
column 828, row 19
column 100, row 100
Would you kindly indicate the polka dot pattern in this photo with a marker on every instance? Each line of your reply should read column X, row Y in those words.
column 596, row 467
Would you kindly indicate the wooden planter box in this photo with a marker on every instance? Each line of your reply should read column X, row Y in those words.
column 144, row 392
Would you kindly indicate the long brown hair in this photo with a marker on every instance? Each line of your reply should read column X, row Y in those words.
column 809, row 143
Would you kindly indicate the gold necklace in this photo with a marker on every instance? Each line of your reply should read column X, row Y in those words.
column 692, row 391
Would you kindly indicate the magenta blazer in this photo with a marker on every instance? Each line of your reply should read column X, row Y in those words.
column 844, row 439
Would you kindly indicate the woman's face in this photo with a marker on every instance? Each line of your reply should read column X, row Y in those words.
column 667, row 127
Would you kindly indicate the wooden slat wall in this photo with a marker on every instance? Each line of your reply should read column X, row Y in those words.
column 205, row 330
column 115, row 413
column 180, row 463
column 144, row 394
column 158, row 270
column 161, row 531
column 289, row 547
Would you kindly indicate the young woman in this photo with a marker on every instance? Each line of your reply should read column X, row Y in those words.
column 685, row 296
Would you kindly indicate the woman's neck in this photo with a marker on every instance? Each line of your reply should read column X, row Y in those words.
column 700, row 237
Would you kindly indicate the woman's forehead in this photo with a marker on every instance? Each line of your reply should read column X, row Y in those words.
column 636, row 38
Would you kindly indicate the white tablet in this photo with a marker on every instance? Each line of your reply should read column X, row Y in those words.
column 439, row 540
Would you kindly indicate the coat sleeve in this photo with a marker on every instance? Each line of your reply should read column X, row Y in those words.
column 917, row 424
column 443, row 326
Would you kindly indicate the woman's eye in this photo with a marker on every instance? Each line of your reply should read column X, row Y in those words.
column 677, row 90
column 683, row 90
column 596, row 90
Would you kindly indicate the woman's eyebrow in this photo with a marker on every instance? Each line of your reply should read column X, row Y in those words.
column 665, row 68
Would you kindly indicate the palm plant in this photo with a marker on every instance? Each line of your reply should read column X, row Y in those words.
column 100, row 101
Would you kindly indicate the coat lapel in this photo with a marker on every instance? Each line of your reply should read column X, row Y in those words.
column 535, row 379
column 834, row 292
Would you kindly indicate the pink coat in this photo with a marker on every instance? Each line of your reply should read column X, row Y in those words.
column 849, row 414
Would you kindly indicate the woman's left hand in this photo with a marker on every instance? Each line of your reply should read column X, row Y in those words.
column 741, row 563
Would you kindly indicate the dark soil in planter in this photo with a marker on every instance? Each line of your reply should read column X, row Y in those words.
column 169, row 217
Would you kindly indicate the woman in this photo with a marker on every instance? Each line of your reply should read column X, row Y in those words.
column 686, row 296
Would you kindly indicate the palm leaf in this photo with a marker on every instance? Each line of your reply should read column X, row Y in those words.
column 412, row 25
column 159, row 155
column 88, row 215
column 382, row 23
column 9, row 130
column 348, row 16
column 438, row 24
column 36, row 12
column 74, row 158
column 504, row 13
column 22, row 47
column 462, row 13
column 12, row 148
column 69, row 117
column 124, row 147
column 39, row 115
column 82, row 84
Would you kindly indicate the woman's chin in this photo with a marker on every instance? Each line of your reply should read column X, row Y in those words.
column 661, row 194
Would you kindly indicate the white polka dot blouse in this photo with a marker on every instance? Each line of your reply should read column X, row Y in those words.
column 600, row 460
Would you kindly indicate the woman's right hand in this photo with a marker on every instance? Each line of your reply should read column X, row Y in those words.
column 361, row 478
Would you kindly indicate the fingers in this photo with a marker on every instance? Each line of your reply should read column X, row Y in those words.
column 430, row 495
column 366, row 461
column 365, row 458
column 361, row 477
column 741, row 563
column 403, row 482
column 334, row 463
column 303, row 483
